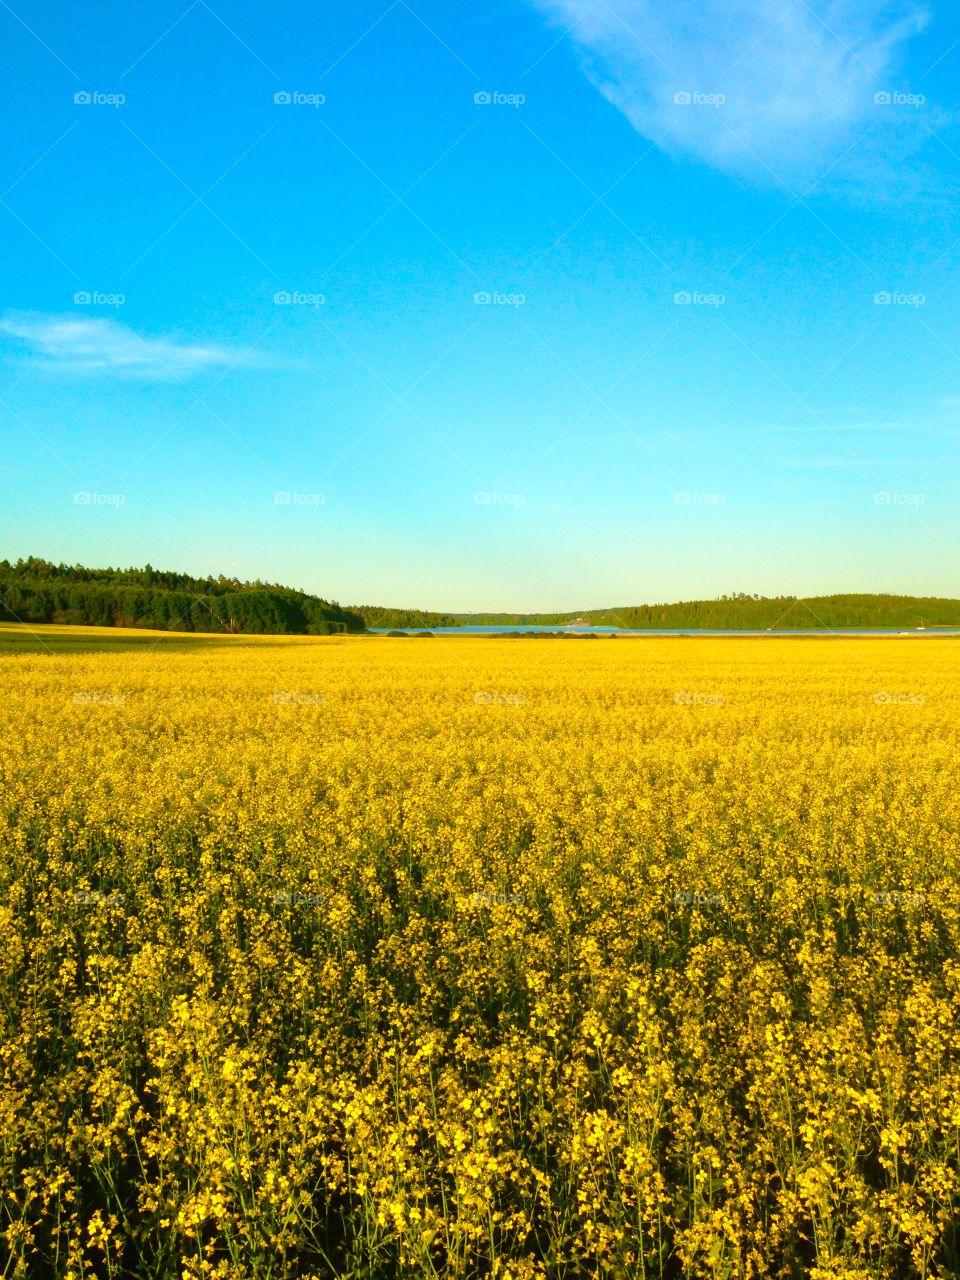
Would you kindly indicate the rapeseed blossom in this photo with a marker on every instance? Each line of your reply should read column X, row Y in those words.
column 315, row 963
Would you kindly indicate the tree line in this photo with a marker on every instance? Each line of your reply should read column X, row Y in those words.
column 754, row 613
column 38, row 591
column 379, row 617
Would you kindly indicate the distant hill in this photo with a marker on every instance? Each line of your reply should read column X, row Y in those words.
column 754, row 613
column 379, row 617
column 34, row 590
column 39, row 591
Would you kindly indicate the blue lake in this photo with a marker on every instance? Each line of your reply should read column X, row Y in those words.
column 506, row 630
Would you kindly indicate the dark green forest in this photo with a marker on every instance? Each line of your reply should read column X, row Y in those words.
column 379, row 617
column 754, row 613
column 35, row 590
column 38, row 591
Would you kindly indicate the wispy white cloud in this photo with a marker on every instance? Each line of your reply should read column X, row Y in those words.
column 927, row 418
column 93, row 345
column 841, row 427
column 797, row 79
column 830, row 463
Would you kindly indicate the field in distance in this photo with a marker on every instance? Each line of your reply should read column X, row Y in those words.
column 353, row 956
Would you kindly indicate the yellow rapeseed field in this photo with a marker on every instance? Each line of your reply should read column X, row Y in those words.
column 464, row 957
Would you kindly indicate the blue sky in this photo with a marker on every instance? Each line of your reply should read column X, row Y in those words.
column 531, row 305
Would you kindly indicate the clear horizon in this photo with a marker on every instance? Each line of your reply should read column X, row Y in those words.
column 475, row 312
